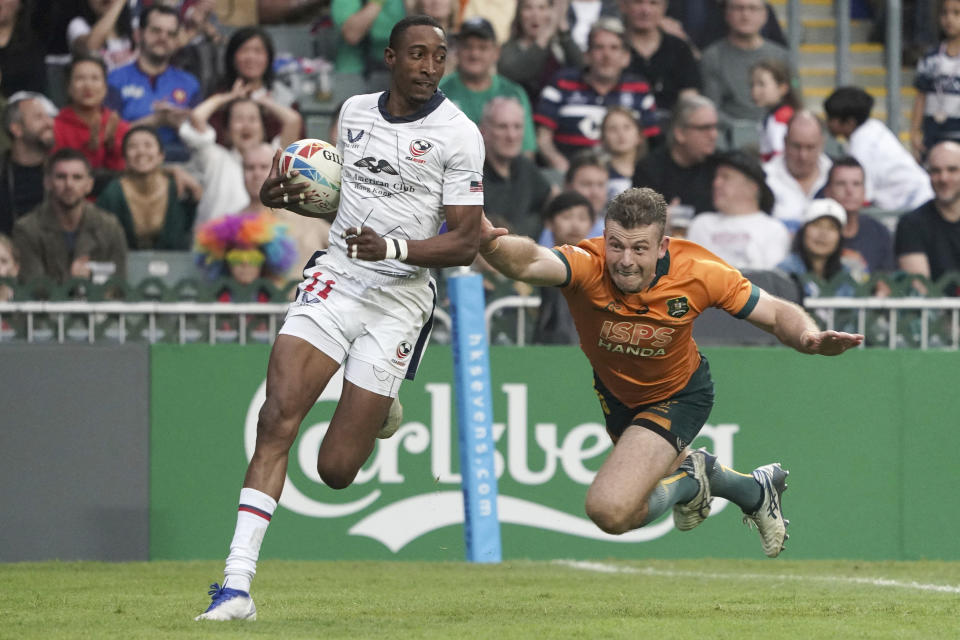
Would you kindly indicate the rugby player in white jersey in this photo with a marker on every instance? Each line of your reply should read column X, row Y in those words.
column 411, row 161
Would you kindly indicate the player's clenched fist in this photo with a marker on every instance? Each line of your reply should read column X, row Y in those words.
column 363, row 243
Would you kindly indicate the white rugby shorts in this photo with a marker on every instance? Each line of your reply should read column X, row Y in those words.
column 377, row 327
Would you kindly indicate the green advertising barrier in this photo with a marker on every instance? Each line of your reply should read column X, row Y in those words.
column 870, row 438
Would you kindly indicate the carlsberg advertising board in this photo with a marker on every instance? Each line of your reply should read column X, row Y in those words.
column 812, row 414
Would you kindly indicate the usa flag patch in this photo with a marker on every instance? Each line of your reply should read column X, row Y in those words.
column 476, row 185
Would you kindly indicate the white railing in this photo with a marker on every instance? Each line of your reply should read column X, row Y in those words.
column 827, row 309
column 99, row 313
column 188, row 315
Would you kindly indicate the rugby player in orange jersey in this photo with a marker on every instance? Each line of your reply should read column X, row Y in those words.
column 634, row 294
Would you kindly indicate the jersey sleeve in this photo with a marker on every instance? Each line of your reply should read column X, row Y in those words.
column 727, row 288
column 463, row 172
column 582, row 265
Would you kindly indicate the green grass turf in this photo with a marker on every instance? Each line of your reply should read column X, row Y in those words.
column 774, row 599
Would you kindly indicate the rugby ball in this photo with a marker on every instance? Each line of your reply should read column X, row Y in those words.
column 318, row 164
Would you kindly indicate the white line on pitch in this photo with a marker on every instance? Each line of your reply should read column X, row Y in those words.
column 600, row 567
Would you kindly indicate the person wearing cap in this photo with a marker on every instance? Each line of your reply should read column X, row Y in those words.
column 818, row 248
column 28, row 119
column 800, row 172
column 573, row 104
column 476, row 80
column 741, row 231
column 635, row 294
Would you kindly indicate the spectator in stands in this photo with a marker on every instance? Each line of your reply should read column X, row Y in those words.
column 726, row 63
column 581, row 15
column 537, row 48
column 219, row 166
column 9, row 266
column 103, row 28
column 569, row 218
column 364, row 32
column 661, row 58
column 249, row 59
column 85, row 123
column 152, row 92
column 928, row 239
column 682, row 170
column 476, row 81
column 308, row 234
column 28, row 119
column 244, row 247
column 701, row 23
column 817, row 248
column 623, row 146
column 867, row 244
column 499, row 13
column 513, row 186
column 66, row 236
column 936, row 105
column 741, row 231
column 894, row 179
column 573, row 104
column 770, row 88
column 201, row 41
column 587, row 176
column 21, row 53
column 144, row 199
column 800, row 172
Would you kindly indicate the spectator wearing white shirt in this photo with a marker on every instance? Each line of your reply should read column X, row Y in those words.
column 741, row 231
column 796, row 176
column 894, row 179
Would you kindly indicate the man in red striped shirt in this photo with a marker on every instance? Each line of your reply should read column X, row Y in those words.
column 573, row 104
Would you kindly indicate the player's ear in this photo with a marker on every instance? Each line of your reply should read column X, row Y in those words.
column 662, row 249
column 389, row 57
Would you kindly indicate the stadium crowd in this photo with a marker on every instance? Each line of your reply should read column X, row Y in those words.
column 134, row 125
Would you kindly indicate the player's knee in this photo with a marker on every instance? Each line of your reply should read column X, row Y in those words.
column 611, row 517
column 275, row 425
column 334, row 473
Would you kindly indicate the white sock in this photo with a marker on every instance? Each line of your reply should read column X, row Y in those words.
column 256, row 509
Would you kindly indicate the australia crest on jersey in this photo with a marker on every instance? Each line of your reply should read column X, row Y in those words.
column 677, row 307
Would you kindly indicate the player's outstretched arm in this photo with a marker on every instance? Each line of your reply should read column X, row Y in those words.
column 519, row 257
column 795, row 328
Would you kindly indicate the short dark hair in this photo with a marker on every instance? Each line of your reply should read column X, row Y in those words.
column 411, row 21
column 849, row 102
column 567, row 200
column 86, row 57
column 844, row 161
column 581, row 159
column 638, row 207
column 140, row 128
column 237, row 40
column 64, row 155
column 158, row 8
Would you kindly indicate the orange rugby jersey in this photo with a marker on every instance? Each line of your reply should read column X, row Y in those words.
column 641, row 345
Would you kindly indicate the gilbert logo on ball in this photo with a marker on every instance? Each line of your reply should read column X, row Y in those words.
column 319, row 165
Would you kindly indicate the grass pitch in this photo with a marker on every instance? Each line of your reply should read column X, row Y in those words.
column 776, row 600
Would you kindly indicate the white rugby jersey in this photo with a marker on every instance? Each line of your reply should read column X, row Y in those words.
column 398, row 173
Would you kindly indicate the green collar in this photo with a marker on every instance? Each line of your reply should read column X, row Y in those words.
column 663, row 267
